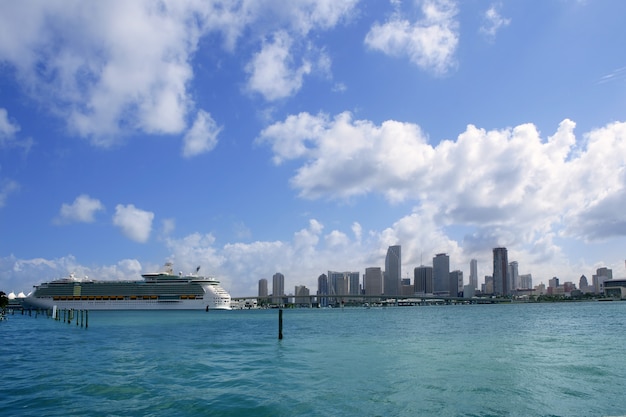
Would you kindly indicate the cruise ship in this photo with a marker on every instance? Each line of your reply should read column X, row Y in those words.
column 158, row 291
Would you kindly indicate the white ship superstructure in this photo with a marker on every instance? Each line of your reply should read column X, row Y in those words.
column 158, row 291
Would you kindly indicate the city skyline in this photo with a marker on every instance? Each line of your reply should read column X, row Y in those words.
column 507, row 279
column 252, row 137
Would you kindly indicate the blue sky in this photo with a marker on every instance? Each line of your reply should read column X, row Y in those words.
column 256, row 137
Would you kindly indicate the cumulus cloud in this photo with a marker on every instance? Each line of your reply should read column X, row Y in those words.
column 135, row 224
column 202, row 137
column 82, row 210
column 271, row 72
column 493, row 21
column 511, row 178
column 121, row 67
column 429, row 43
column 105, row 68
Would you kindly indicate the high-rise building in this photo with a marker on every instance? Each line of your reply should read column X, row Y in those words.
column 487, row 287
column 373, row 281
column 526, row 281
column 473, row 278
column 500, row 268
column 601, row 275
column 393, row 270
column 423, row 279
column 354, row 283
column 322, row 289
column 456, row 283
column 278, row 288
column 441, row 274
column 302, row 295
column 513, row 276
column 263, row 292
column 582, row 282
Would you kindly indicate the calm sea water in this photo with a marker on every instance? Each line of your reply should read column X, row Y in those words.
column 564, row 359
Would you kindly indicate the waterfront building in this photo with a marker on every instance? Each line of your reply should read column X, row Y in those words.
column 468, row 291
column 602, row 274
column 393, row 270
column 322, row 289
column 406, row 288
column 488, row 285
column 513, row 277
column 456, row 283
column 526, row 281
column 301, row 294
column 441, row 274
column 500, row 269
column 423, row 279
column 263, row 291
column 354, row 283
column 553, row 283
column 473, row 278
column 373, row 281
column 278, row 288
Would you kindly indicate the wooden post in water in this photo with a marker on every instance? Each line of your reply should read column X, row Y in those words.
column 86, row 318
column 280, row 324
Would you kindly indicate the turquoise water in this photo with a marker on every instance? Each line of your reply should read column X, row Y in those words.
column 562, row 359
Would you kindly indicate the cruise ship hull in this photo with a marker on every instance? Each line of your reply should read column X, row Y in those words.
column 47, row 303
column 159, row 291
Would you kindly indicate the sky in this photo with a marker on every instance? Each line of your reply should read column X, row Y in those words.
column 261, row 136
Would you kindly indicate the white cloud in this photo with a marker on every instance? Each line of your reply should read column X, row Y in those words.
column 493, row 21
column 271, row 71
column 83, row 210
column 429, row 43
column 8, row 133
column 167, row 226
column 510, row 179
column 7, row 129
column 105, row 68
column 121, row 67
column 202, row 137
column 135, row 224
column 7, row 187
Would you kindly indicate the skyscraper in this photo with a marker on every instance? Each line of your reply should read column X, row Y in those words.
column 500, row 269
column 263, row 288
column 473, row 278
column 456, row 283
column 441, row 274
column 423, row 279
column 373, row 281
column 278, row 288
column 393, row 270
column 322, row 289
column 513, row 276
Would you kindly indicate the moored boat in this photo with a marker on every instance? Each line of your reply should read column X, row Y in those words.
column 157, row 291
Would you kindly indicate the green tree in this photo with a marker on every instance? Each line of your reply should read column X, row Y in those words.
column 4, row 300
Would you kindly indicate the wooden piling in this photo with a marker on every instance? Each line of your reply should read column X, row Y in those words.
column 280, row 324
